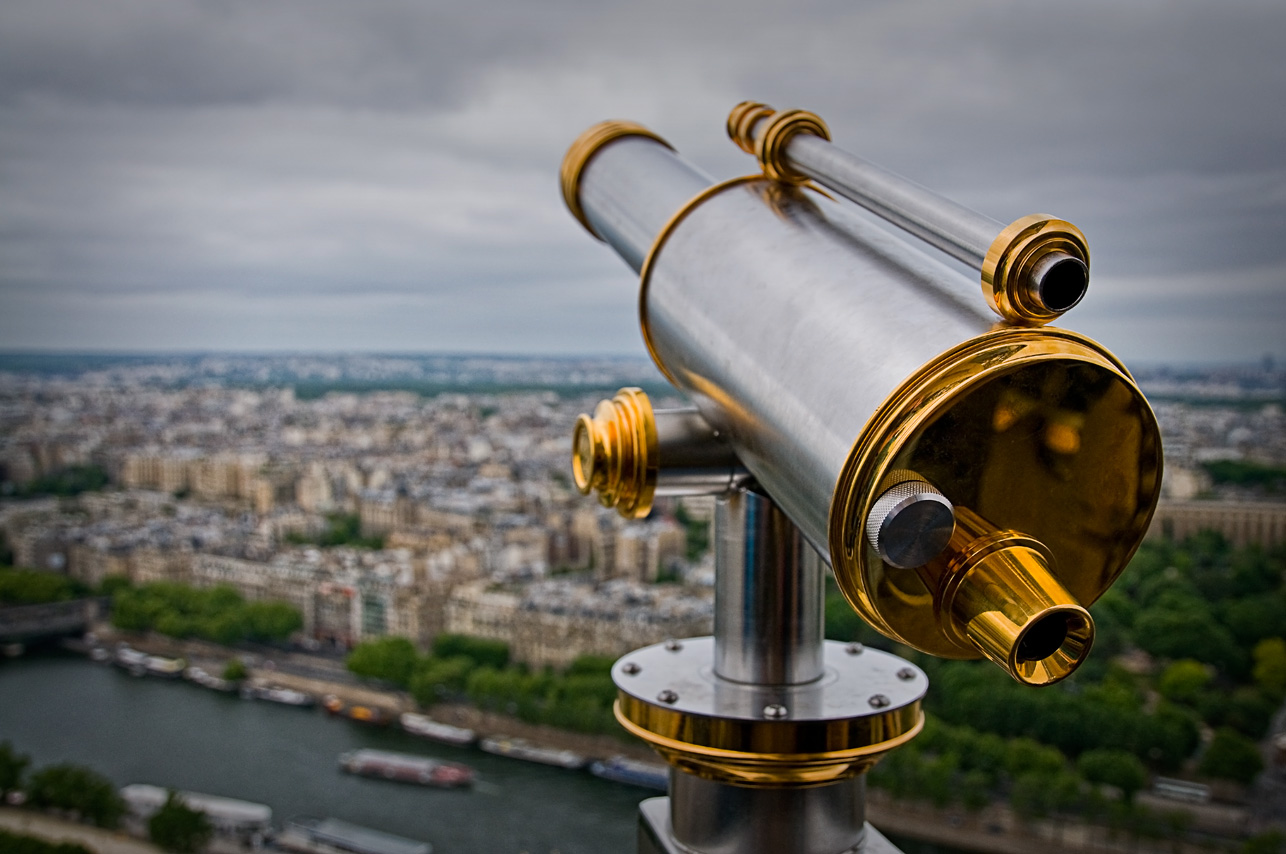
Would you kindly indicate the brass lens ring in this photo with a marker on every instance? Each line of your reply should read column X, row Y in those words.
column 742, row 121
column 1013, row 257
column 770, row 146
column 584, row 149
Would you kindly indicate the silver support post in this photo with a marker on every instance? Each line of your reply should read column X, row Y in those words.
column 769, row 655
column 768, row 595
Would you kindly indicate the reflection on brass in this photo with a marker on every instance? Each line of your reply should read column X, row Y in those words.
column 1036, row 430
column 769, row 754
column 584, row 148
column 1011, row 262
column 994, row 589
column 645, row 272
column 614, row 453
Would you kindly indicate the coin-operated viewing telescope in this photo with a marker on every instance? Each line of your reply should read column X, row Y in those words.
column 973, row 477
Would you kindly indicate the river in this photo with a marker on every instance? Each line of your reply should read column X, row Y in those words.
column 63, row 708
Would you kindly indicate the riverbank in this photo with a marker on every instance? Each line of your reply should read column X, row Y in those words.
column 52, row 829
column 321, row 676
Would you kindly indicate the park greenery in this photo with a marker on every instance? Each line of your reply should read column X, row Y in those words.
column 1248, row 475
column 178, row 828
column 89, row 796
column 465, row 669
column 342, row 529
column 14, row 843
column 33, row 587
column 65, row 482
column 1210, row 621
column 219, row 614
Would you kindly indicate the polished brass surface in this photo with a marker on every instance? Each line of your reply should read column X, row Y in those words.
column 776, row 754
column 770, row 143
column 614, row 453
column 645, row 273
column 742, row 121
column 583, row 149
column 994, row 588
column 1043, row 434
column 1008, row 283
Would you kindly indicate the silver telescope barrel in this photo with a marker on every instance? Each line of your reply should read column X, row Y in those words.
column 1045, row 259
column 973, row 484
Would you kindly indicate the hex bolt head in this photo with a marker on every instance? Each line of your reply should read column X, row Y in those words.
column 906, row 674
column 667, row 696
column 879, row 701
column 630, row 668
column 775, row 711
column 854, row 648
column 673, row 645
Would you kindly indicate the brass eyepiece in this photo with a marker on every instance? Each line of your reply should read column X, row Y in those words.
column 996, row 592
column 614, row 453
column 1037, row 268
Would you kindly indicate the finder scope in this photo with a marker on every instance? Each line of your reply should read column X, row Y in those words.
column 974, row 477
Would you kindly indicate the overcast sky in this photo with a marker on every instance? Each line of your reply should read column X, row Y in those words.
column 382, row 176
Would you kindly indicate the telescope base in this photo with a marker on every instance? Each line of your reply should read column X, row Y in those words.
column 706, row 817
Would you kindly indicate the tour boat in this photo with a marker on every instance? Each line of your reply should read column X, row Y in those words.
column 426, row 727
column 406, row 768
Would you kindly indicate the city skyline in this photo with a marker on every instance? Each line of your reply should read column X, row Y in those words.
column 382, row 178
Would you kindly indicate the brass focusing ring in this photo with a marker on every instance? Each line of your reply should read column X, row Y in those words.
column 770, row 145
column 645, row 272
column 742, row 121
column 584, row 149
column 747, row 753
column 614, row 453
column 1007, row 267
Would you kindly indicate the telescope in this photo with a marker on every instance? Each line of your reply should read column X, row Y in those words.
column 974, row 477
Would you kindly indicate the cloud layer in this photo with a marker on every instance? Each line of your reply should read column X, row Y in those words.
column 325, row 175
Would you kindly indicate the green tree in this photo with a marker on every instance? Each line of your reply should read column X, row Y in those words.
column 271, row 621
column 437, row 679
column 389, row 658
column 484, row 652
column 1231, row 756
column 32, row 587
column 1183, row 681
column 177, row 827
column 14, row 843
column 12, row 766
column 235, row 670
column 78, row 789
column 1269, row 671
column 1269, row 842
column 1114, row 768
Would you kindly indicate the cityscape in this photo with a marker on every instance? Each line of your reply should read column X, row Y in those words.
column 413, row 501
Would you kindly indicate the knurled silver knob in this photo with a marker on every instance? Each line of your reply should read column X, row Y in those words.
column 910, row 523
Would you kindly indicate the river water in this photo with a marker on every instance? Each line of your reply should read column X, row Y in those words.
column 63, row 708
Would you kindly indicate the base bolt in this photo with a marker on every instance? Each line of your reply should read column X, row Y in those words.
column 878, row 701
column 630, row 668
column 668, row 696
column 906, row 674
column 854, row 648
column 673, row 645
column 775, row 711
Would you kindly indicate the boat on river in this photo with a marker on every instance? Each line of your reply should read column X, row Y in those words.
column 308, row 835
column 519, row 748
column 205, row 679
column 245, row 821
column 285, row 696
column 635, row 772
column 426, row 727
column 406, row 768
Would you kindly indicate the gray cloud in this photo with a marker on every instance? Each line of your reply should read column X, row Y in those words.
column 382, row 175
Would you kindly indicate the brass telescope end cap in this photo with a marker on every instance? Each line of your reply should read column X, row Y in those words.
column 742, row 121
column 614, row 453
column 1037, row 268
column 583, row 150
